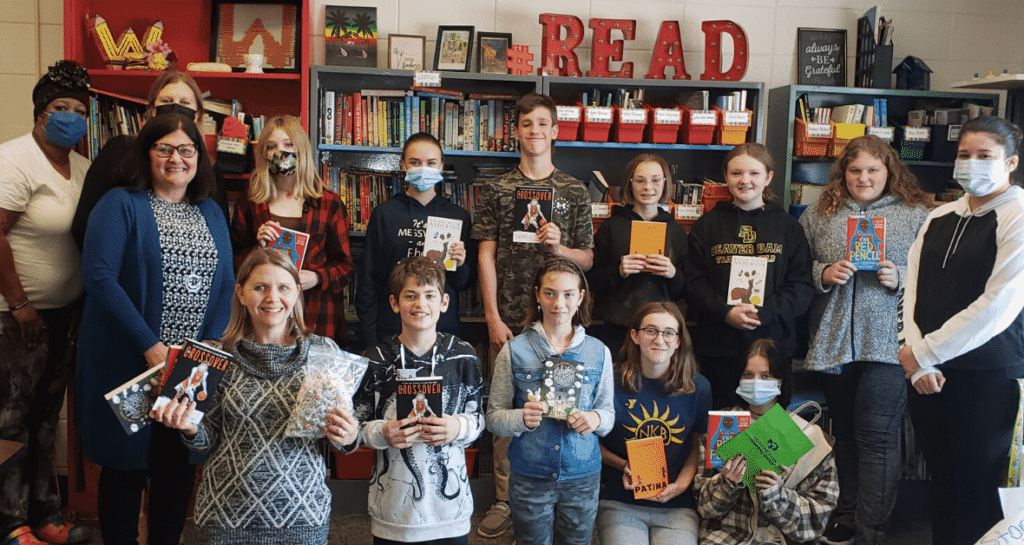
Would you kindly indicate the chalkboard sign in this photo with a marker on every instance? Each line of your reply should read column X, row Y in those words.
column 821, row 56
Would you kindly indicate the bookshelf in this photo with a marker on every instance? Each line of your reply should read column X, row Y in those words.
column 933, row 173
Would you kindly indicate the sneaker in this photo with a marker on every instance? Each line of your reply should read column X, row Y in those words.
column 56, row 530
column 838, row 534
column 497, row 521
column 21, row 536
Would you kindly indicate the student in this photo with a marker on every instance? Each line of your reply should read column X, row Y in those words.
column 657, row 388
column 789, row 508
column 419, row 492
column 506, row 268
column 396, row 231
column 963, row 310
column 750, row 225
column 624, row 282
column 556, row 464
column 251, row 460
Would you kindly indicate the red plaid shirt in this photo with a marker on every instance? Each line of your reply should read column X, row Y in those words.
column 326, row 221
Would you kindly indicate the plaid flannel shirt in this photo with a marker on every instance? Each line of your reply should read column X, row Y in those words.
column 326, row 221
column 727, row 510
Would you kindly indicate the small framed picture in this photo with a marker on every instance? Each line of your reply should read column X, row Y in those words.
column 406, row 52
column 492, row 52
column 454, row 48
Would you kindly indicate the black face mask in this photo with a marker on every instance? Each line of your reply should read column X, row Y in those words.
column 176, row 109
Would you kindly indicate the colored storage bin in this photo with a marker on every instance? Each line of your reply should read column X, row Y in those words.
column 663, row 125
column 597, row 123
column 732, row 127
column 714, row 194
column 805, row 145
column 698, row 126
column 629, row 124
column 568, row 122
column 913, row 141
column 842, row 133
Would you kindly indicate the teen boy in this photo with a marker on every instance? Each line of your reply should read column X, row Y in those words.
column 420, row 489
column 506, row 268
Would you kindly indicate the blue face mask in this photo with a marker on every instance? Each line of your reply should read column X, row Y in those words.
column 980, row 177
column 423, row 178
column 757, row 391
column 65, row 129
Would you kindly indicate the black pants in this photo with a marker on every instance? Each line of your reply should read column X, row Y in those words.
column 171, row 480
column 724, row 376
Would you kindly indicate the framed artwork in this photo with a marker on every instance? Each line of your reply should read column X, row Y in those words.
column 821, row 56
column 454, row 48
column 254, row 27
column 492, row 52
column 406, row 52
column 350, row 36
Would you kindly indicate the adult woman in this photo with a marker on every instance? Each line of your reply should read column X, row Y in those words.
column 157, row 271
column 656, row 382
column 624, row 282
column 963, row 309
column 40, row 284
column 853, row 328
column 245, row 428
column 285, row 191
column 789, row 508
column 171, row 91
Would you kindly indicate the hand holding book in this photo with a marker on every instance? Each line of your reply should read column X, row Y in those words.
column 177, row 415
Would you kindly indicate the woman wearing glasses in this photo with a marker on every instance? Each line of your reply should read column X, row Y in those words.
column 658, row 391
column 157, row 271
column 623, row 282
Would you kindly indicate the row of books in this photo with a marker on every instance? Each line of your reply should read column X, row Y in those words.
column 110, row 115
column 875, row 115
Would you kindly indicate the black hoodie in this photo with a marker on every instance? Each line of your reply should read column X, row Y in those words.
column 766, row 232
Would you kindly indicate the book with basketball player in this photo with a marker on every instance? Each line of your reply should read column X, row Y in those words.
column 747, row 280
column 132, row 401
column 647, row 237
column 531, row 210
column 865, row 242
column 293, row 243
column 722, row 426
column 560, row 389
column 439, row 240
column 647, row 466
column 194, row 375
column 418, row 397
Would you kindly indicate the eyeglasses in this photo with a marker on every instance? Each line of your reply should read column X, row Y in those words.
column 650, row 333
column 652, row 181
column 166, row 150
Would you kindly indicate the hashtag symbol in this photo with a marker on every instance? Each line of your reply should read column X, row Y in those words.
column 520, row 60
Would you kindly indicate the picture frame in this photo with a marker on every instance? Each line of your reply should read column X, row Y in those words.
column 406, row 51
column 232, row 33
column 492, row 52
column 350, row 36
column 821, row 56
column 454, row 48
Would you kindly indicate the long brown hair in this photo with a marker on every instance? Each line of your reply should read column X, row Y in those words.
column 760, row 154
column 308, row 183
column 560, row 264
column 240, row 325
column 683, row 366
column 627, row 185
column 901, row 182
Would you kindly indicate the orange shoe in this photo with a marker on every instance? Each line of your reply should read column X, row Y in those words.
column 56, row 530
column 21, row 536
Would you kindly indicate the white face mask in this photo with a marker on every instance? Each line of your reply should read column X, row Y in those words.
column 758, row 391
column 980, row 177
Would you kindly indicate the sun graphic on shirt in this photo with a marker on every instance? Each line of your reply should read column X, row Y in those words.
column 656, row 423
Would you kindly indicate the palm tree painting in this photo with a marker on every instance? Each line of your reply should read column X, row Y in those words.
column 350, row 36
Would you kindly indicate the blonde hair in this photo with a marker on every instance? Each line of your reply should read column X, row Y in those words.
column 308, row 183
column 240, row 325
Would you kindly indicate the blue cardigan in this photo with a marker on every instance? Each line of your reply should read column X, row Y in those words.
column 123, row 277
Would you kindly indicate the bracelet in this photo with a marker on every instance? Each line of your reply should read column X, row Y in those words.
column 19, row 306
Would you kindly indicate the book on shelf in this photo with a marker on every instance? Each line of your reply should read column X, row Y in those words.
column 772, row 441
column 439, row 240
column 418, row 397
column 193, row 375
column 132, row 402
column 647, row 237
column 293, row 243
column 110, row 115
column 722, row 427
column 647, row 466
column 747, row 280
column 865, row 242
column 532, row 207
column 560, row 389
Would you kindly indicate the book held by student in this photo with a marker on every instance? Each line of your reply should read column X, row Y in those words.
column 560, row 389
column 723, row 426
column 293, row 243
column 747, row 279
column 132, row 402
column 194, row 375
column 439, row 240
column 865, row 242
column 774, row 440
column 418, row 397
column 532, row 208
column 647, row 237
column 648, row 466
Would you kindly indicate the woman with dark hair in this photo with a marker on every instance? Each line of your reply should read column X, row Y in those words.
column 853, row 327
column 963, row 312
column 157, row 271
column 624, row 282
column 791, row 507
column 657, row 391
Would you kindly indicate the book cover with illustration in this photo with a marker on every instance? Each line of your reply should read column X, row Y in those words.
column 294, row 244
column 722, row 426
column 865, row 242
column 647, row 237
column 132, row 401
column 648, row 466
column 770, row 442
column 747, row 280
column 418, row 397
column 531, row 210
column 560, row 390
column 439, row 239
column 194, row 374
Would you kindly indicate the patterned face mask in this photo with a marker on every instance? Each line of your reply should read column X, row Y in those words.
column 283, row 163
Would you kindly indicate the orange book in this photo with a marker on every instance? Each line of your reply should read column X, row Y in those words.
column 647, row 238
column 648, row 466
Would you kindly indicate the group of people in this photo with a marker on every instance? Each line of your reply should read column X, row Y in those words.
column 161, row 262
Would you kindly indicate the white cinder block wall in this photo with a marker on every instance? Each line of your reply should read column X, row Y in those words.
column 957, row 38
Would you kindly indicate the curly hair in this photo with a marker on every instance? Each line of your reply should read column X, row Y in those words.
column 900, row 182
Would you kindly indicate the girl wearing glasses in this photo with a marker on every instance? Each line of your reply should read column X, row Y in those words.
column 657, row 391
column 286, row 192
column 157, row 271
column 624, row 282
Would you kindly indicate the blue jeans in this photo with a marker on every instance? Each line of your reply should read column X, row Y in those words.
column 546, row 511
column 866, row 404
column 620, row 522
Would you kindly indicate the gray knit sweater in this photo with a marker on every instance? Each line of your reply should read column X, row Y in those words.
column 856, row 321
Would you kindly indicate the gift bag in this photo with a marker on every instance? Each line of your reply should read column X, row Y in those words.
column 332, row 376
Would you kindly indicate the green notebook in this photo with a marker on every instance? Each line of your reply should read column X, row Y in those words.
column 772, row 441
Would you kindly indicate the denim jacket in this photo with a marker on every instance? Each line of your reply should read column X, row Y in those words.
column 552, row 450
